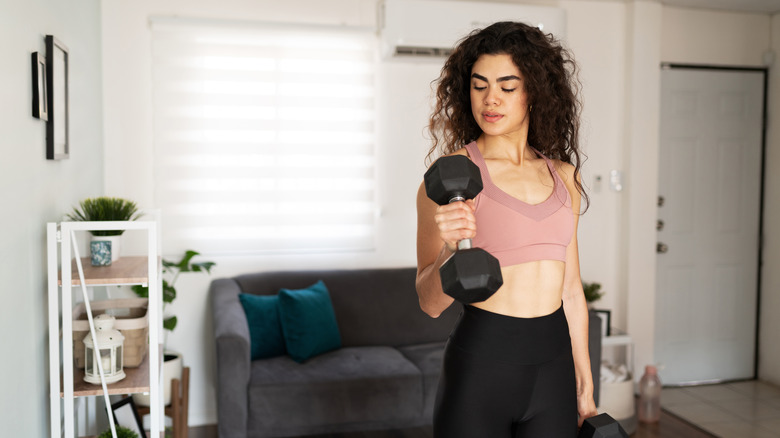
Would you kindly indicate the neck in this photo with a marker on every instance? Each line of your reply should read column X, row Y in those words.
column 514, row 150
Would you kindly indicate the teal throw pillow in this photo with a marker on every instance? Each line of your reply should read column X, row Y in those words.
column 265, row 329
column 308, row 321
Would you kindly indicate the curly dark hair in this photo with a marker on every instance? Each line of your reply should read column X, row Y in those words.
column 551, row 84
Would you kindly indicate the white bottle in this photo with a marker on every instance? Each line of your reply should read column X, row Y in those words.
column 650, row 396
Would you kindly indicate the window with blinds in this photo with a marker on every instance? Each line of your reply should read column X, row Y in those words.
column 264, row 137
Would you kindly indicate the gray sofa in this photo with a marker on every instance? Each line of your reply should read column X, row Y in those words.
column 384, row 376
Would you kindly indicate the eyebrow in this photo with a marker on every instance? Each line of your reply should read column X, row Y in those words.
column 501, row 79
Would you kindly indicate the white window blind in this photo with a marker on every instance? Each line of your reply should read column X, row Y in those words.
column 264, row 137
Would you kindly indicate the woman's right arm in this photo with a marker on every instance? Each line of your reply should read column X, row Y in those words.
column 439, row 228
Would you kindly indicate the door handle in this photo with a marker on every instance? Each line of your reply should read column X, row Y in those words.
column 661, row 248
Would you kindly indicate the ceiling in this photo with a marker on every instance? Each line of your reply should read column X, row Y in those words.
column 761, row 6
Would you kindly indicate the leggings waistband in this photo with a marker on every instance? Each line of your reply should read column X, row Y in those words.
column 511, row 339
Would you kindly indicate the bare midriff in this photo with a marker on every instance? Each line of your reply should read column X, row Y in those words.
column 530, row 290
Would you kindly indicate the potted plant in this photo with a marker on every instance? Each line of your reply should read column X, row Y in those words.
column 592, row 292
column 106, row 208
column 121, row 432
column 172, row 361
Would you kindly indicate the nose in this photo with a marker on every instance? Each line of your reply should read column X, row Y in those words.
column 491, row 97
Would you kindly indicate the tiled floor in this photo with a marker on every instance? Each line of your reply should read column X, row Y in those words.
column 749, row 409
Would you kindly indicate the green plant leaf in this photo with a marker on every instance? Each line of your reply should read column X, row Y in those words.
column 203, row 266
column 169, row 323
column 141, row 291
column 169, row 292
column 592, row 291
column 184, row 263
column 105, row 208
column 121, row 432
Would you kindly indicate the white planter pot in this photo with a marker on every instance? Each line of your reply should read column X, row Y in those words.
column 115, row 250
column 172, row 367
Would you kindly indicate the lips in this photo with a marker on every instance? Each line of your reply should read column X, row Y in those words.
column 492, row 117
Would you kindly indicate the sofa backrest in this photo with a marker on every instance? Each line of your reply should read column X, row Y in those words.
column 372, row 306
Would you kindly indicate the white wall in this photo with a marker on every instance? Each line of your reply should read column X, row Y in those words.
column 642, row 106
column 34, row 191
column 769, row 358
column 618, row 45
column 713, row 37
column 600, row 52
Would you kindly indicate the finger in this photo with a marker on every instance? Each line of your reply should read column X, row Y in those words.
column 457, row 229
column 455, row 236
column 456, row 207
column 449, row 216
column 452, row 210
column 450, row 223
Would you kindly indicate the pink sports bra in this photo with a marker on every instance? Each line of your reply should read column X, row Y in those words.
column 516, row 232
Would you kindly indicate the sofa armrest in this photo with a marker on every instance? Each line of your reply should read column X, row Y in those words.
column 231, row 333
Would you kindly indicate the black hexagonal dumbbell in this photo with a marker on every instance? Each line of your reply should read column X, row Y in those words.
column 471, row 275
column 601, row 426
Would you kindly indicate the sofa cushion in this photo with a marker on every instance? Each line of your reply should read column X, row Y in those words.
column 265, row 328
column 308, row 322
column 349, row 385
column 428, row 358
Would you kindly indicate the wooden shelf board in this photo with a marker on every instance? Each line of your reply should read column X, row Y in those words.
column 136, row 380
column 126, row 270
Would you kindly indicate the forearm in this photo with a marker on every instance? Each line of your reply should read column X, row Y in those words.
column 576, row 310
column 433, row 300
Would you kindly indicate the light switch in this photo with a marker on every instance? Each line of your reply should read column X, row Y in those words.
column 616, row 180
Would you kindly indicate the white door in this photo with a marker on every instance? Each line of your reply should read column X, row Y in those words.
column 709, row 210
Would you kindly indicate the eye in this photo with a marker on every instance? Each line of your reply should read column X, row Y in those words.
column 508, row 90
column 479, row 88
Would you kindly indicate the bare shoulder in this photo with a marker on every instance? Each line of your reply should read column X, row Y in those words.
column 461, row 151
column 566, row 171
column 568, row 174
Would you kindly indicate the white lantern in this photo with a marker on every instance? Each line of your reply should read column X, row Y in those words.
column 110, row 343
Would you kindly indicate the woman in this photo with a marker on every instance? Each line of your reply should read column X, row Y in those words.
column 517, row 363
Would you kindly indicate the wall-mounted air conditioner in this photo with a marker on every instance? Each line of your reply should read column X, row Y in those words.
column 432, row 27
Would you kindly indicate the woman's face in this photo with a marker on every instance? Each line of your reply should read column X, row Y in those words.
column 498, row 99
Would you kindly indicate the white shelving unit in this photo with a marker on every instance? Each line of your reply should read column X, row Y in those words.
column 620, row 339
column 66, row 382
column 618, row 398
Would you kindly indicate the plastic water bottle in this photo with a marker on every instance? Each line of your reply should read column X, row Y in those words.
column 650, row 396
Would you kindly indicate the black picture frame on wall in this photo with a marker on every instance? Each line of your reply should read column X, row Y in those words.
column 40, row 108
column 57, row 126
column 606, row 321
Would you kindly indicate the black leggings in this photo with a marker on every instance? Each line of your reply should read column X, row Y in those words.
column 507, row 377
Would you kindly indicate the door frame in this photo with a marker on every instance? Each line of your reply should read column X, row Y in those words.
column 765, row 74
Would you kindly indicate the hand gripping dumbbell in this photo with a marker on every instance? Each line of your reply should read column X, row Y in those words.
column 601, row 426
column 471, row 275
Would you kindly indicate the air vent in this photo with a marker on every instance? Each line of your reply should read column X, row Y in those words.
column 433, row 52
